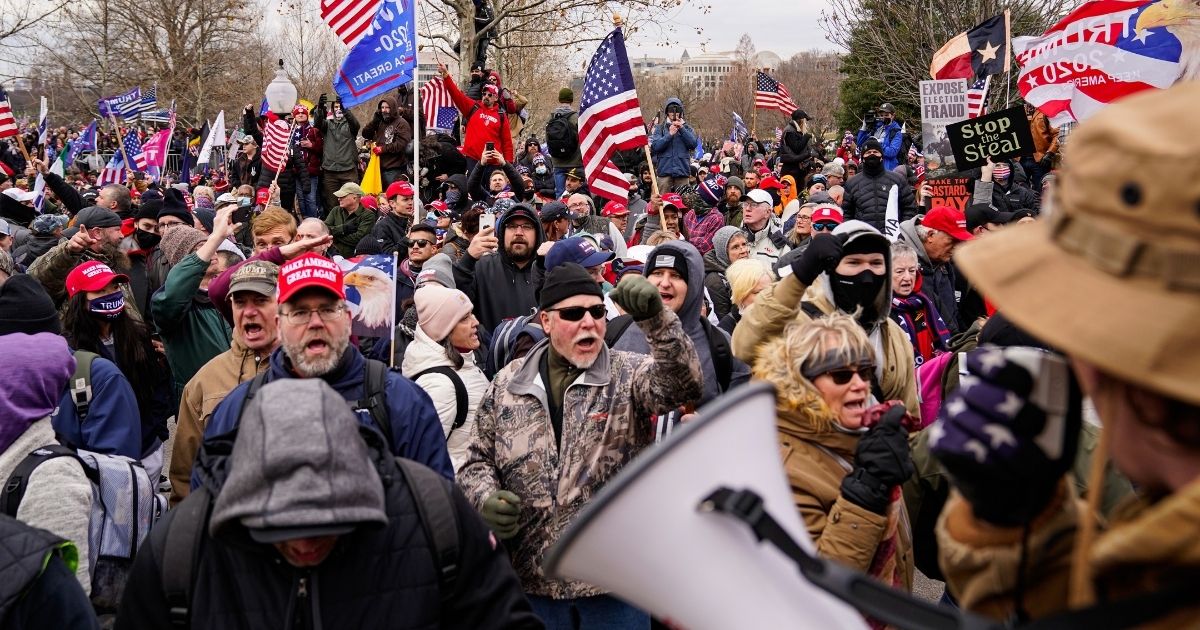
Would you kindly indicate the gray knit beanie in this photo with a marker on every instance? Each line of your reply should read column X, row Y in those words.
column 721, row 242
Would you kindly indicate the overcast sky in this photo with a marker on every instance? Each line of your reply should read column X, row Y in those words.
column 784, row 28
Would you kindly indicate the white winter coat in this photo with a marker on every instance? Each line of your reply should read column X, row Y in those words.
column 424, row 353
column 58, row 497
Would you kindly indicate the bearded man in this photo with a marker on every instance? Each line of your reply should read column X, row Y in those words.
column 98, row 238
column 502, row 281
column 532, row 474
column 391, row 133
column 313, row 321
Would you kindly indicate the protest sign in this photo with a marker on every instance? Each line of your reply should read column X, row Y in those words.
column 942, row 102
column 952, row 192
column 370, row 294
column 999, row 135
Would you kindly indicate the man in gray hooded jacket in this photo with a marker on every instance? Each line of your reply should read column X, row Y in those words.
column 677, row 270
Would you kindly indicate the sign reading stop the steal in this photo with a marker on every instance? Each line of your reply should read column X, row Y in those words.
column 999, row 135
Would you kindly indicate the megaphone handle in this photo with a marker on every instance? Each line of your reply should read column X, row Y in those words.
column 868, row 595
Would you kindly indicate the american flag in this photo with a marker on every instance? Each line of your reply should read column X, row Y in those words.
column 113, row 172
column 977, row 97
column 610, row 118
column 149, row 100
column 8, row 124
column 349, row 19
column 435, row 98
column 770, row 94
column 123, row 105
column 739, row 128
column 275, row 144
column 131, row 144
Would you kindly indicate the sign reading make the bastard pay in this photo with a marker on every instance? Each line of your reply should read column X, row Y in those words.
column 999, row 135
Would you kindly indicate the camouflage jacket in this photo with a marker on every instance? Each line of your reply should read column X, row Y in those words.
column 607, row 416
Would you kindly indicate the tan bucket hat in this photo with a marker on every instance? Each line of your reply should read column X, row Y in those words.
column 1113, row 275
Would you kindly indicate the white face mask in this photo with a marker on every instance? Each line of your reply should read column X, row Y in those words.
column 541, row 170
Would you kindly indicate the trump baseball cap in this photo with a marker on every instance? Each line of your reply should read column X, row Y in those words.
column 948, row 220
column 92, row 276
column 310, row 271
column 827, row 214
column 399, row 187
column 578, row 250
column 614, row 209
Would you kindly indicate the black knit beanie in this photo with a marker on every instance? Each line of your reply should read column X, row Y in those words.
column 25, row 307
column 565, row 281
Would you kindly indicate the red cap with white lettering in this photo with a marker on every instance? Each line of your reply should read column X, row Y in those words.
column 310, row 271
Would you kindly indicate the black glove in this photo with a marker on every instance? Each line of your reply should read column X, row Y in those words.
column 882, row 461
column 322, row 99
column 823, row 254
column 1003, row 452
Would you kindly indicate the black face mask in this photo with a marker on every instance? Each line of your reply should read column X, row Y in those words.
column 146, row 240
column 858, row 291
column 873, row 164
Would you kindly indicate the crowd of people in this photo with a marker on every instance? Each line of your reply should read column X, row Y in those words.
column 190, row 345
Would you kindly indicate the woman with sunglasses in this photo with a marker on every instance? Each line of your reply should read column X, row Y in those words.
column 844, row 466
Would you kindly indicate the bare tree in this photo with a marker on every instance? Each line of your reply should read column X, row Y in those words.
column 310, row 50
column 813, row 79
column 17, row 17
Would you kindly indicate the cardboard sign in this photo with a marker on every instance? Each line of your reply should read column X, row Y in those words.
column 942, row 102
column 999, row 135
column 953, row 192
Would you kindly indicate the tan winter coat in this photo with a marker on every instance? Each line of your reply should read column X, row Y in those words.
column 607, row 415
column 1147, row 546
column 200, row 398
column 779, row 304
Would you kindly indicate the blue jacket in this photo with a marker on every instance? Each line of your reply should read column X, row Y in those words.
column 113, row 422
column 417, row 432
column 893, row 139
column 673, row 153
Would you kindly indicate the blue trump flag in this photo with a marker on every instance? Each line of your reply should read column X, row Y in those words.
column 384, row 59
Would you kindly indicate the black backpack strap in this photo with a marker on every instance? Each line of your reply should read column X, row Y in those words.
column 460, row 393
column 721, row 353
column 180, row 553
column 18, row 481
column 256, row 384
column 616, row 328
column 374, row 400
column 435, row 505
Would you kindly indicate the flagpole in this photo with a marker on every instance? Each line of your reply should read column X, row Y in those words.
column 753, row 106
column 1007, row 58
column 392, row 330
column 121, row 145
column 418, row 132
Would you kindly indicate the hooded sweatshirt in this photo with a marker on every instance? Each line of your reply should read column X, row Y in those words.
column 392, row 137
column 484, row 124
column 633, row 340
column 498, row 288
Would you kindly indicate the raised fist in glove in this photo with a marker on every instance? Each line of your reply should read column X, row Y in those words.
column 638, row 297
column 823, row 254
column 322, row 100
column 1005, row 439
column 502, row 511
column 882, row 461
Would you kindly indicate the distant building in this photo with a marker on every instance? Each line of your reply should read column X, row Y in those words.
column 427, row 71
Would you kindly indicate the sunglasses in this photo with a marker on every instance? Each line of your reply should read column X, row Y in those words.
column 844, row 375
column 575, row 313
column 420, row 242
column 822, row 226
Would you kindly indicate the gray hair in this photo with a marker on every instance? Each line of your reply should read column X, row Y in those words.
column 119, row 194
column 923, row 233
column 324, row 229
column 901, row 249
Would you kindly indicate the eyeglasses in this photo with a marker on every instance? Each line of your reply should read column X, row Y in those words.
column 844, row 375
column 304, row 315
column 422, row 243
column 803, row 219
column 575, row 313
column 822, row 226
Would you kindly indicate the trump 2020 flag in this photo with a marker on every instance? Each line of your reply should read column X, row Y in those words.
column 384, row 59
column 370, row 292
column 610, row 118
column 1105, row 50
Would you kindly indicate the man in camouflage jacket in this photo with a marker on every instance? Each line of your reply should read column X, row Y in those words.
column 527, row 486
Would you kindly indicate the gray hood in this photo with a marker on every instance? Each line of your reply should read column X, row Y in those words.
column 674, row 101
column 908, row 234
column 299, row 462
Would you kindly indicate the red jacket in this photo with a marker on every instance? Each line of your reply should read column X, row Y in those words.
column 484, row 124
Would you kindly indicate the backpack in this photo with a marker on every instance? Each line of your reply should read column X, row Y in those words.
column 374, row 400
column 460, row 394
column 180, row 550
column 125, row 507
column 81, row 383
column 718, row 346
column 562, row 138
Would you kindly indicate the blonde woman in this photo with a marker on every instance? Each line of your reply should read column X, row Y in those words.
column 843, row 471
column 747, row 278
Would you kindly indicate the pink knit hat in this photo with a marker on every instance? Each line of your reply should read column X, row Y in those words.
column 440, row 309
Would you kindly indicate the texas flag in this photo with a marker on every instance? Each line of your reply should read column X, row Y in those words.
column 979, row 52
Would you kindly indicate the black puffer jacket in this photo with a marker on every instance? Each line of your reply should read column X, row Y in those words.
column 391, row 231
column 374, row 578
column 37, row 590
column 867, row 196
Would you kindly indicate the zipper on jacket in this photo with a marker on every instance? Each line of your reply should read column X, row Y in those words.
column 303, row 618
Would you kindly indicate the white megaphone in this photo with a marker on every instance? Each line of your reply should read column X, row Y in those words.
column 648, row 538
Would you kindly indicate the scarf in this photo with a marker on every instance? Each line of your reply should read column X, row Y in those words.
column 928, row 334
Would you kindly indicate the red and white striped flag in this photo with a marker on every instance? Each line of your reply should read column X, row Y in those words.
column 977, row 97
column 349, row 19
column 276, row 134
column 610, row 118
column 8, row 123
column 434, row 95
column 770, row 94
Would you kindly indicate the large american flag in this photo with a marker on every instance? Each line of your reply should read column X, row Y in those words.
column 977, row 96
column 349, row 19
column 770, row 94
column 435, row 98
column 8, row 123
column 275, row 144
column 610, row 118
